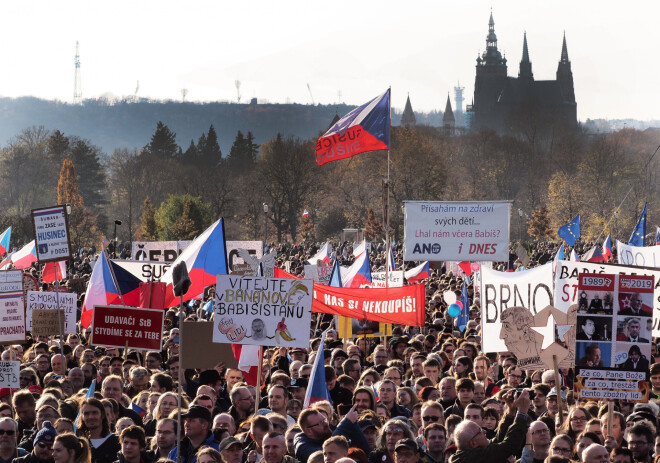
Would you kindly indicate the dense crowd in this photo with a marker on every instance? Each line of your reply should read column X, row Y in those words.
column 423, row 395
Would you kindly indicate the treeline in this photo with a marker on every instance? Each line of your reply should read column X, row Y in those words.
column 169, row 191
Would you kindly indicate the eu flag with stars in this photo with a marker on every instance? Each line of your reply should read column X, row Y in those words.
column 638, row 234
column 571, row 231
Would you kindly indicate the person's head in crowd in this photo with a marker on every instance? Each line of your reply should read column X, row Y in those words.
column 417, row 365
column 369, row 428
column 298, row 389
column 305, row 371
column 406, row 397
column 474, row 412
column 197, row 424
column 369, row 378
column 352, row 368
column 540, row 393
column 364, row 398
column 491, row 418
column 290, row 436
column 69, row 448
column 93, row 422
column 43, row 442
column 380, row 356
column 536, row 377
column 314, row 424
column 27, row 377
column 465, row 391
column 172, row 364
column 46, row 413
column 123, row 423
column 116, row 366
column 541, row 435
column 160, row 382
column 469, row 435
column 242, row 400
column 277, row 421
column 561, row 445
column 111, row 410
column 392, row 431
column 111, row 388
column 25, row 407
column 231, row 450
column 595, row 453
column 259, row 427
column 334, row 448
column 421, row 383
column 593, row 425
column 462, row 366
column 293, row 408
column 383, row 411
column 294, row 367
column 393, row 374
column 278, row 398
column 77, row 378
column 346, row 382
column 6, row 411
column 514, row 376
column 435, row 439
column 63, row 425
column 133, row 443
column 126, row 367
column 316, row 457
column 576, row 421
column 224, row 421
column 104, row 366
column 43, row 364
column 386, row 392
column 641, row 441
column 447, row 388
column 56, row 364
column 153, row 361
column 622, row 455
column 166, row 430
column 448, row 349
column 432, row 369
column 406, row 451
column 207, row 390
column 479, row 392
column 142, row 399
column 584, row 440
column 208, row 455
column 298, row 353
column 203, row 400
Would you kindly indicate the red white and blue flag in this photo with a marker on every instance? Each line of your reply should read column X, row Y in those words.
column 323, row 255
column 305, row 213
column 4, row 241
column 318, row 388
column 418, row 273
column 607, row 247
column 594, row 255
column 137, row 409
column 54, row 271
column 247, row 358
column 25, row 256
column 360, row 248
column 205, row 258
column 574, row 256
column 366, row 128
column 358, row 275
column 657, row 236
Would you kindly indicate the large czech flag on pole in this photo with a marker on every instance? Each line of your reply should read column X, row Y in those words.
column 358, row 275
column 366, row 128
column 317, row 389
column 205, row 258
column 4, row 241
column 25, row 256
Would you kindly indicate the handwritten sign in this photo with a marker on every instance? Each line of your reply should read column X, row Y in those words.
column 46, row 322
column 48, row 301
column 51, row 234
column 9, row 374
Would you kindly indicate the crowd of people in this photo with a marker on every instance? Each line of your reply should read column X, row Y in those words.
column 422, row 395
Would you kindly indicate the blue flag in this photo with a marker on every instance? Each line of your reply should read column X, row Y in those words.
column 335, row 277
column 464, row 316
column 571, row 231
column 638, row 234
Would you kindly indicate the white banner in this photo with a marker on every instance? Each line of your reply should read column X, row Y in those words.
column 262, row 311
column 378, row 279
column 48, row 300
column 531, row 289
column 462, row 231
column 144, row 270
column 11, row 280
column 319, row 273
column 159, row 251
column 566, row 283
column 647, row 256
column 236, row 262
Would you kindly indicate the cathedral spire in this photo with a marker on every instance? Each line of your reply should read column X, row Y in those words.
column 525, row 65
column 525, row 57
column 408, row 118
column 564, row 51
column 448, row 116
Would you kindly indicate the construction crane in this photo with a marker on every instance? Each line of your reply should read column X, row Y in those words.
column 310, row 94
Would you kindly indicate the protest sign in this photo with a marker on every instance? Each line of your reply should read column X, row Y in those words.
column 123, row 326
column 262, row 311
column 51, row 234
column 48, row 301
column 378, row 279
column 319, row 273
column 646, row 256
column 530, row 289
column 158, row 251
column 200, row 351
column 9, row 374
column 11, row 281
column 463, row 231
column 45, row 322
column 404, row 305
column 12, row 317
column 236, row 263
column 613, row 348
column 144, row 270
column 566, row 285
column 362, row 328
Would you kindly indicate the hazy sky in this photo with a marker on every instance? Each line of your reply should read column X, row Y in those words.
column 358, row 48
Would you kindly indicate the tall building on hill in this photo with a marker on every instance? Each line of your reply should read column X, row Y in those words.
column 511, row 105
column 448, row 120
column 408, row 117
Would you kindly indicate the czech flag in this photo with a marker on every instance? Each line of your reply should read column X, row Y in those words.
column 101, row 289
column 335, row 276
column 559, row 256
column 574, row 256
column 248, row 359
column 317, row 389
column 358, row 274
column 594, row 255
column 205, row 258
column 391, row 262
column 25, row 256
column 305, row 213
column 607, row 247
column 281, row 273
column 137, row 409
column 54, row 271
column 4, row 241
column 418, row 273
column 323, row 254
column 366, row 128
column 360, row 248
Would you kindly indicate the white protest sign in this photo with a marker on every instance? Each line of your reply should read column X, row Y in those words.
column 235, row 263
column 11, row 281
column 378, row 279
column 262, row 311
column 51, row 234
column 319, row 273
column 9, row 372
column 531, row 289
column 566, row 283
column 646, row 256
column 158, row 251
column 12, row 317
column 48, row 300
column 144, row 270
column 462, row 231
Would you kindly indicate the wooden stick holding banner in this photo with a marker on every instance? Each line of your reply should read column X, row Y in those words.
column 610, row 416
column 259, row 369
column 60, row 322
column 560, row 403
column 345, row 332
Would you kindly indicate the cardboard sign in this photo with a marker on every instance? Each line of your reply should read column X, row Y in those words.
column 262, row 311
column 45, row 322
column 319, row 273
column 158, row 251
column 11, row 281
column 378, row 279
column 9, row 374
column 123, row 326
column 51, row 234
column 462, row 231
column 199, row 350
column 235, row 262
column 613, row 348
column 12, row 317
column 48, row 301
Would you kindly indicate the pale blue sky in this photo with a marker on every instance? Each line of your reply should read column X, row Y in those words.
column 358, row 48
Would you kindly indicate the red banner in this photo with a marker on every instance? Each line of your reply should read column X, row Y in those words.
column 402, row 306
column 122, row 326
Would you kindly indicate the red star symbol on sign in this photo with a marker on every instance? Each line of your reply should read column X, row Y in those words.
column 626, row 302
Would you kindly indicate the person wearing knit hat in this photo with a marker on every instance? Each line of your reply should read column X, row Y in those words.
column 43, row 446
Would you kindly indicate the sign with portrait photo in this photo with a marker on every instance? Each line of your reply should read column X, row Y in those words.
column 262, row 311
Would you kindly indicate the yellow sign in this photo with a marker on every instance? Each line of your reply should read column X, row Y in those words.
column 362, row 328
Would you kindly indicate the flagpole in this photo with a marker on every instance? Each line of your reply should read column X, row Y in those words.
column 114, row 279
column 259, row 369
column 387, row 206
